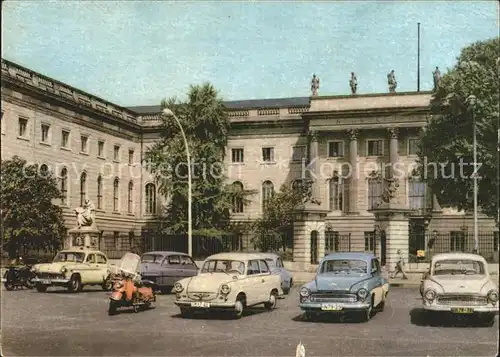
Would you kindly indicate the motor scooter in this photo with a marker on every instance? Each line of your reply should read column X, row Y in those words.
column 129, row 290
column 18, row 277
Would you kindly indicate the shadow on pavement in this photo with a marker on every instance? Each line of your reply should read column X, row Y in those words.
column 420, row 317
column 200, row 315
column 331, row 318
column 130, row 310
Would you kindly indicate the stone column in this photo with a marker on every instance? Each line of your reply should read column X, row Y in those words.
column 354, row 178
column 396, row 230
column 312, row 170
column 321, row 243
column 301, row 244
column 393, row 149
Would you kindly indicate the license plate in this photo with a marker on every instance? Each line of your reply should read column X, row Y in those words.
column 331, row 307
column 200, row 304
column 45, row 281
column 462, row 310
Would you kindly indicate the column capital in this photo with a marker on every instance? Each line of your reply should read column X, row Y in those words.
column 393, row 132
column 353, row 134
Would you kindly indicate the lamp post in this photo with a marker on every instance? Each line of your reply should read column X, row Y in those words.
column 168, row 112
column 471, row 100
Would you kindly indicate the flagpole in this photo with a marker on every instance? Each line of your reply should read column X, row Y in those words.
column 418, row 56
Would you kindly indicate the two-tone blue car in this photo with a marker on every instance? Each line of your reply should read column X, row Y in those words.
column 345, row 282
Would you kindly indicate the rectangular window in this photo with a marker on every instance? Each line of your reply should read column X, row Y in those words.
column 412, row 146
column 131, row 157
column 116, row 239
column 417, row 194
column 84, row 141
column 375, row 147
column 369, row 241
column 23, row 127
column 64, row 139
column 374, row 193
column 496, row 236
column 100, row 148
column 298, row 153
column 336, row 194
column 457, row 241
column 45, row 133
column 237, row 155
column 116, row 153
column 268, row 154
column 335, row 149
column 331, row 241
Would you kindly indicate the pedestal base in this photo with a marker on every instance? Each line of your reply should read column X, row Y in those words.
column 86, row 237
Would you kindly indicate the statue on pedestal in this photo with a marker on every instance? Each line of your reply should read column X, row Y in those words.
column 85, row 215
column 353, row 83
column 314, row 85
column 437, row 77
column 390, row 190
column 391, row 81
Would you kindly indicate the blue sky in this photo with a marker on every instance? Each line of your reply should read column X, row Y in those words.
column 138, row 52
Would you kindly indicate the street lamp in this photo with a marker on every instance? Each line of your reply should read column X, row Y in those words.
column 471, row 100
column 168, row 112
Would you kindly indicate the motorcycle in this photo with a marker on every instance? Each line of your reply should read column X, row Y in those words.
column 18, row 277
column 129, row 290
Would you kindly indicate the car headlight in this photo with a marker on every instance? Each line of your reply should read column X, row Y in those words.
column 63, row 270
column 362, row 293
column 430, row 294
column 178, row 287
column 225, row 289
column 493, row 296
column 305, row 292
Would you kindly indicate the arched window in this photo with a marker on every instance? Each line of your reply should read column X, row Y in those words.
column 116, row 185
column 374, row 192
column 267, row 193
column 130, row 193
column 99, row 192
column 64, row 186
column 336, row 193
column 238, row 199
column 83, row 188
column 44, row 171
column 150, row 198
column 297, row 185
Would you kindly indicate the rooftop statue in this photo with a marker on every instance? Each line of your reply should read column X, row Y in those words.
column 391, row 81
column 85, row 215
column 353, row 83
column 314, row 85
column 437, row 77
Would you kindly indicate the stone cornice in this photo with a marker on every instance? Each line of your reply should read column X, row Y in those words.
column 371, row 112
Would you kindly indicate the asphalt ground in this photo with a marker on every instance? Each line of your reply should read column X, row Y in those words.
column 57, row 323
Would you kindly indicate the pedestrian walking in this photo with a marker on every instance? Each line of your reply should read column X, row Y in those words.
column 400, row 266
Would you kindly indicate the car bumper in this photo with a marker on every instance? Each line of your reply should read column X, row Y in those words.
column 219, row 305
column 451, row 308
column 320, row 307
column 51, row 281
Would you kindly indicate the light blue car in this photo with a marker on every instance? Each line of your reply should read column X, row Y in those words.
column 277, row 268
column 345, row 282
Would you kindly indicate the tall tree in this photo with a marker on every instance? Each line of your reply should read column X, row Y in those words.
column 448, row 137
column 30, row 219
column 206, row 125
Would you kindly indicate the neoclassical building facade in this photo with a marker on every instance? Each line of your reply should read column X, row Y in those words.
column 346, row 144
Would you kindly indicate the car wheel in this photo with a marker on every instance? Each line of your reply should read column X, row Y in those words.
column 107, row 285
column 381, row 306
column 8, row 286
column 367, row 314
column 136, row 308
column 41, row 288
column 186, row 313
column 271, row 304
column 75, row 284
column 488, row 320
column 112, row 308
column 239, row 307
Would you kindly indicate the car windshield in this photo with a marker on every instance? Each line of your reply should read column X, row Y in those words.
column 75, row 257
column 458, row 266
column 343, row 266
column 226, row 266
column 152, row 258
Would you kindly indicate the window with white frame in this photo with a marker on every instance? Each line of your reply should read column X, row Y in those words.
column 299, row 152
column 370, row 241
column 150, row 198
column 375, row 147
column 331, row 241
column 65, row 139
column 116, row 153
column 413, row 146
column 267, row 193
column 268, row 154
column 374, row 192
column 336, row 193
column 23, row 127
column 131, row 157
column 100, row 148
column 237, row 155
column 335, row 149
column 84, row 140
column 238, row 197
column 417, row 194
column 45, row 133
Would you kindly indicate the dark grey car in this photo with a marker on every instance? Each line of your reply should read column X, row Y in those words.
column 166, row 268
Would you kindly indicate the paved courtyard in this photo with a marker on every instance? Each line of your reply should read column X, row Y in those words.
column 62, row 324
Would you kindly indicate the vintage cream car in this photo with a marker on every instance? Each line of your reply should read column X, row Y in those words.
column 74, row 268
column 460, row 283
column 230, row 282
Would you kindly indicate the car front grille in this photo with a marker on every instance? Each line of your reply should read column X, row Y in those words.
column 50, row 276
column 462, row 300
column 333, row 297
column 201, row 296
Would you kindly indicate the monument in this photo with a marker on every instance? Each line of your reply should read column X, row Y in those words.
column 314, row 85
column 85, row 234
column 391, row 81
column 353, row 82
column 436, row 75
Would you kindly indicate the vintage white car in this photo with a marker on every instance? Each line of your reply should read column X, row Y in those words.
column 74, row 268
column 230, row 282
column 460, row 283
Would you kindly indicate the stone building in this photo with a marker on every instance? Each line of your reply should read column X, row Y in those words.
column 343, row 143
